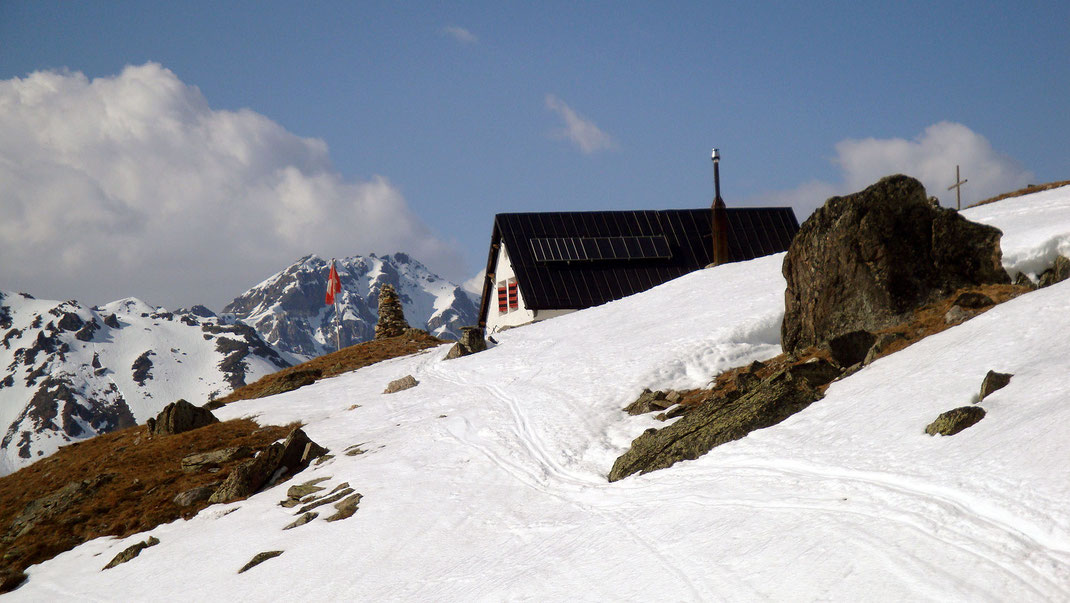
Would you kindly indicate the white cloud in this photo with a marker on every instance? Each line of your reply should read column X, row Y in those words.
column 931, row 158
column 133, row 185
column 581, row 131
column 460, row 34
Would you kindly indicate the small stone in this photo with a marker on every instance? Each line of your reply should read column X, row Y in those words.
column 346, row 508
column 974, row 300
column 195, row 495
column 954, row 421
column 132, row 551
column 956, row 315
column 325, row 501
column 258, row 559
column 302, row 520
column 992, row 382
column 397, row 385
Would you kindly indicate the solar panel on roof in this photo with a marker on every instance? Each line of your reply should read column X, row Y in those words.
column 579, row 249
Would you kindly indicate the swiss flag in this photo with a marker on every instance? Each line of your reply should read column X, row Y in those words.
column 334, row 285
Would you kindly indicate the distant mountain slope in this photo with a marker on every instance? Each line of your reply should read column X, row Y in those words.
column 288, row 309
column 69, row 372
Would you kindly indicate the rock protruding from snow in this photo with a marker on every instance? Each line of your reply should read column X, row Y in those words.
column 397, row 385
column 955, row 420
column 472, row 340
column 131, row 551
column 278, row 462
column 866, row 260
column 180, row 416
column 993, row 381
column 727, row 418
column 1058, row 273
column 391, row 321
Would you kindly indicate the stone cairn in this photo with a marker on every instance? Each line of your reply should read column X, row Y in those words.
column 391, row 316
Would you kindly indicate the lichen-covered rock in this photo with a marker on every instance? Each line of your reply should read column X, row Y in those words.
column 346, row 507
column 180, row 416
column 865, row 261
column 725, row 419
column 955, row 420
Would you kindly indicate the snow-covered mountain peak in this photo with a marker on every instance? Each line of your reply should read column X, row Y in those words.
column 68, row 371
column 288, row 308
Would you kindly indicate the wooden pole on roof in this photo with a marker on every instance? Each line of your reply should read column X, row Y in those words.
column 720, row 216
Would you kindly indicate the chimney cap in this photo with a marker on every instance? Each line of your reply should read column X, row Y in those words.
column 716, row 155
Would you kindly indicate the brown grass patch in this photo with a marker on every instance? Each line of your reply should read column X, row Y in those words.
column 1032, row 188
column 345, row 360
column 142, row 474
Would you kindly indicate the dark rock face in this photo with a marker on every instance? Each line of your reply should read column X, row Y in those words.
column 180, row 416
column 391, row 316
column 954, row 421
column 195, row 495
column 994, row 381
column 725, row 419
column 866, row 260
column 851, row 348
column 112, row 321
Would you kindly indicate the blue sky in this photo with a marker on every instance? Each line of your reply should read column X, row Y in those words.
column 460, row 111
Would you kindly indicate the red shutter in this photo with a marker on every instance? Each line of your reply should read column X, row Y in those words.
column 502, row 300
column 514, row 302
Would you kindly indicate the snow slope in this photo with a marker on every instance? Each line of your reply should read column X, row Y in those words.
column 487, row 482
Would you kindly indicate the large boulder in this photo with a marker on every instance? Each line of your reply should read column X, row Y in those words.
column 180, row 416
column 865, row 261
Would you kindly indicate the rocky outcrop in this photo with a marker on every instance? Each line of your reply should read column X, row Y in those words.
column 195, row 495
column 391, row 317
column 955, row 420
column 277, row 463
column 397, row 385
column 865, row 261
column 180, row 416
column 472, row 341
column 851, row 348
column 726, row 418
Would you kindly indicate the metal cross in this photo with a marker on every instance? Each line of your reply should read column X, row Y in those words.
column 958, row 188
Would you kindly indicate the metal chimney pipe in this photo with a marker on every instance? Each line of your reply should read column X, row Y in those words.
column 719, row 226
